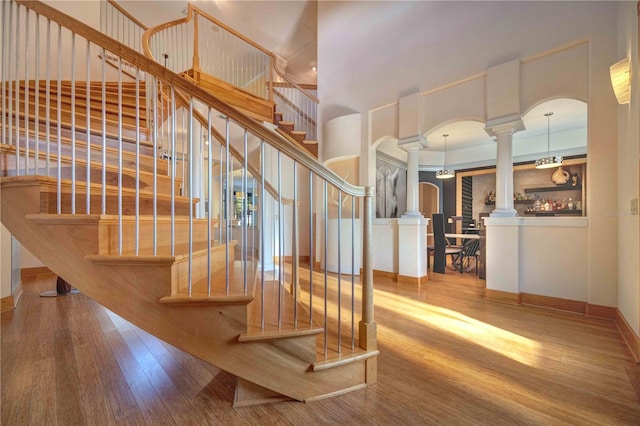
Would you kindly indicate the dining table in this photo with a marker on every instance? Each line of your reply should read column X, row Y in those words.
column 471, row 236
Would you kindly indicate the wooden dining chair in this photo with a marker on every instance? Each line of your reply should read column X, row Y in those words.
column 441, row 247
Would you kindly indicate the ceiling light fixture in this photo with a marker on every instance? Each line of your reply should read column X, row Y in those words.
column 548, row 161
column 620, row 72
column 445, row 173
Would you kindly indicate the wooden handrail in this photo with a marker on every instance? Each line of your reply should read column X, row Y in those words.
column 182, row 100
column 296, row 85
column 231, row 30
column 127, row 14
column 297, row 109
column 154, row 30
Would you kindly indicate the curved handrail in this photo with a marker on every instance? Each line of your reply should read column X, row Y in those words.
column 189, row 88
column 231, row 30
column 154, row 30
column 127, row 14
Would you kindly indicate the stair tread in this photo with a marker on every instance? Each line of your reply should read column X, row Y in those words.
column 200, row 299
column 109, row 218
column 146, row 148
column 50, row 182
column 81, row 126
column 181, row 253
column 235, row 294
column 82, row 161
column 338, row 359
column 281, row 333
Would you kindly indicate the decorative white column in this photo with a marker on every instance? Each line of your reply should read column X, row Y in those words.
column 503, row 129
column 503, row 227
column 412, row 146
column 412, row 226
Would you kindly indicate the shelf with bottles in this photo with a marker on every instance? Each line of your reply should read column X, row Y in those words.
column 516, row 201
column 554, row 213
column 564, row 206
column 518, row 198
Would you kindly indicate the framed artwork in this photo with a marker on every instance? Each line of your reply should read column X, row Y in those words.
column 391, row 189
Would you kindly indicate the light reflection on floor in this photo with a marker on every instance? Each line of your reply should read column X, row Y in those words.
column 513, row 346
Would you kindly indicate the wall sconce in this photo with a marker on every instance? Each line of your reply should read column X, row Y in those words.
column 620, row 73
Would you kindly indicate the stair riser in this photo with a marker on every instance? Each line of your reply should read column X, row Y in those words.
column 111, row 114
column 199, row 270
column 109, row 235
column 128, row 148
column 95, row 91
column 163, row 182
column 111, row 102
column 112, row 128
column 48, row 204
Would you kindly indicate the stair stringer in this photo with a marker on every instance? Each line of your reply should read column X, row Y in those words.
column 132, row 290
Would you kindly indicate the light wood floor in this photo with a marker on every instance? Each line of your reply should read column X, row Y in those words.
column 446, row 357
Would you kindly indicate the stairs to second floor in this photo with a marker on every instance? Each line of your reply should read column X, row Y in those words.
column 151, row 232
column 236, row 70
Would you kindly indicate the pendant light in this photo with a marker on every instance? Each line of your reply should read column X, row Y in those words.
column 548, row 161
column 445, row 173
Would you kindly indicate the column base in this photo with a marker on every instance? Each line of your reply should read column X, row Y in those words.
column 503, row 296
column 402, row 279
column 415, row 215
column 504, row 213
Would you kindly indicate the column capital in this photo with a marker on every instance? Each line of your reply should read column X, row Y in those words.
column 508, row 124
column 412, row 143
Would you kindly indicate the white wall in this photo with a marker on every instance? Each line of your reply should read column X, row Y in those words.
column 553, row 254
column 428, row 45
column 5, row 262
column 628, row 151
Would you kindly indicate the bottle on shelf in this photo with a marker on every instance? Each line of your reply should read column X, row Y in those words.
column 570, row 204
column 547, row 206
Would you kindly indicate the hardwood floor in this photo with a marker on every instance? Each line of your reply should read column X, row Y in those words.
column 447, row 356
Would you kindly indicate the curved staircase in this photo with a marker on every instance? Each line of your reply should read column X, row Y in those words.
column 97, row 200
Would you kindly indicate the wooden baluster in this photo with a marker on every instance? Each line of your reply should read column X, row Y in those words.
column 196, row 56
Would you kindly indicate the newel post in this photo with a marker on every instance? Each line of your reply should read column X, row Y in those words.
column 368, row 340
column 368, row 334
column 271, row 77
column 196, row 54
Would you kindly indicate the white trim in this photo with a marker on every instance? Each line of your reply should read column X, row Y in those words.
column 565, row 222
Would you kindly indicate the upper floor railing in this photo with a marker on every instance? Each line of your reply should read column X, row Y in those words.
column 199, row 43
column 119, row 24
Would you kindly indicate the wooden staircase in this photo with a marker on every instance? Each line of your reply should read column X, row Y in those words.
column 151, row 289
column 253, row 106
column 287, row 129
